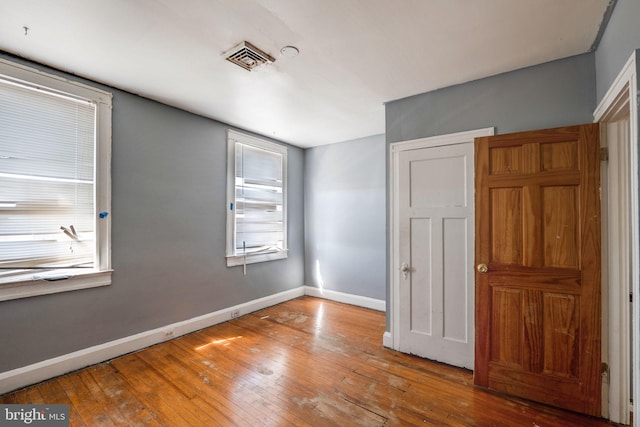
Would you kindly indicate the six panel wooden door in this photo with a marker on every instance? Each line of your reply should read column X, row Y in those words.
column 538, row 314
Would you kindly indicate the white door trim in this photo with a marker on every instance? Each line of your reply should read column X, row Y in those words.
column 623, row 236
column 392, row 339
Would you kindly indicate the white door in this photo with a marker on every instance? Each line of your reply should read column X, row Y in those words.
column 435, row 279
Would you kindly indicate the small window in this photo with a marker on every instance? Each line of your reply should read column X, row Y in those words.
column 257, row 200
column 55, row 146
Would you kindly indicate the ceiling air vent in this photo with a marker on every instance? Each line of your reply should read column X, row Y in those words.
column 248, row 56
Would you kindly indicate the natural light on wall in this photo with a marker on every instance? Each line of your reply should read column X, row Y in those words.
column 319, row 280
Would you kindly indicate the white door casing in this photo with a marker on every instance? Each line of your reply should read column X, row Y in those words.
column 432, row 276
column 617, row 113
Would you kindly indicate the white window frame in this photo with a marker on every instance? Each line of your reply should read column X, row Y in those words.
column 234, row 137
column 26, row 285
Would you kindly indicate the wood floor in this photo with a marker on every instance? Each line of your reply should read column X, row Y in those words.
column 307, row 362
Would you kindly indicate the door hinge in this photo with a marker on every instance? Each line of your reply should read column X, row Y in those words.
column 604, row 369
column 630, row 297
column 604, row 154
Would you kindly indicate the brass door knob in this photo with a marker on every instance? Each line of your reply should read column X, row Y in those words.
column 482, row 268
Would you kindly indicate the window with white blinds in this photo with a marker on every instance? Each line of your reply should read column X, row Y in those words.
column 257, row 200
column 51, row 176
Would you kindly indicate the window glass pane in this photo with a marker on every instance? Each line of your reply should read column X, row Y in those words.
column 260, row 166
column 45, row 134
column 47, row 156
column 259, row 200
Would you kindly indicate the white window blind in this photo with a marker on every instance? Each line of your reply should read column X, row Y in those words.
column 47, row 179
column 55, row 183
column 257, row 208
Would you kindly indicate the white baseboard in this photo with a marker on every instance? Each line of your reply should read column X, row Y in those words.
column 360, row 301
column 32, row 374
column 387, row 340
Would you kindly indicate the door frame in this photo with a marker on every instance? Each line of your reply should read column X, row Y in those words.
column 623, row 231
column 391, row 339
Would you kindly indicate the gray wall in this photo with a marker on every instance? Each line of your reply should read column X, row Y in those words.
column 554, row 94
column 345, row 217
column 558, row 93
column 621, row 38
column 168, row 240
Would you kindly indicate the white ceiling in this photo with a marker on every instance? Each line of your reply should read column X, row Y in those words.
column 355, row 55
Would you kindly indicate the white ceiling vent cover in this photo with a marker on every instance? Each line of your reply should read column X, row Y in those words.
column 248, row 56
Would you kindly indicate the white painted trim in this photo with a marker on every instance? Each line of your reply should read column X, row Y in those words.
column 392, row 340
column 360, row 301
column 31, row 374
column 387, row 340
column 623, row 236
column 30, row 75
column 606, row 254
column 635, row 234
column 616, row 90
column 440, row 140
column 31, row 288
column 618, row 271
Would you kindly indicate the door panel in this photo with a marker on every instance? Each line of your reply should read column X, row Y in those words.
column 454, row 279
column 421, row 283
column 506, row 229
column 436, row 230
column 560, row 229
column 538, row 231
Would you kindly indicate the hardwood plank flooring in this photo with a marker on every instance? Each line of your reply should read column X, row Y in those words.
column 306, row 362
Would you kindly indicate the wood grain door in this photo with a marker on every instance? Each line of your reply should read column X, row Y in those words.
column 538, row 266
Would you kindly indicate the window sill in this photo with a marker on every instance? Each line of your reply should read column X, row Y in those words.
column 234, row 260
column 30, row 287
